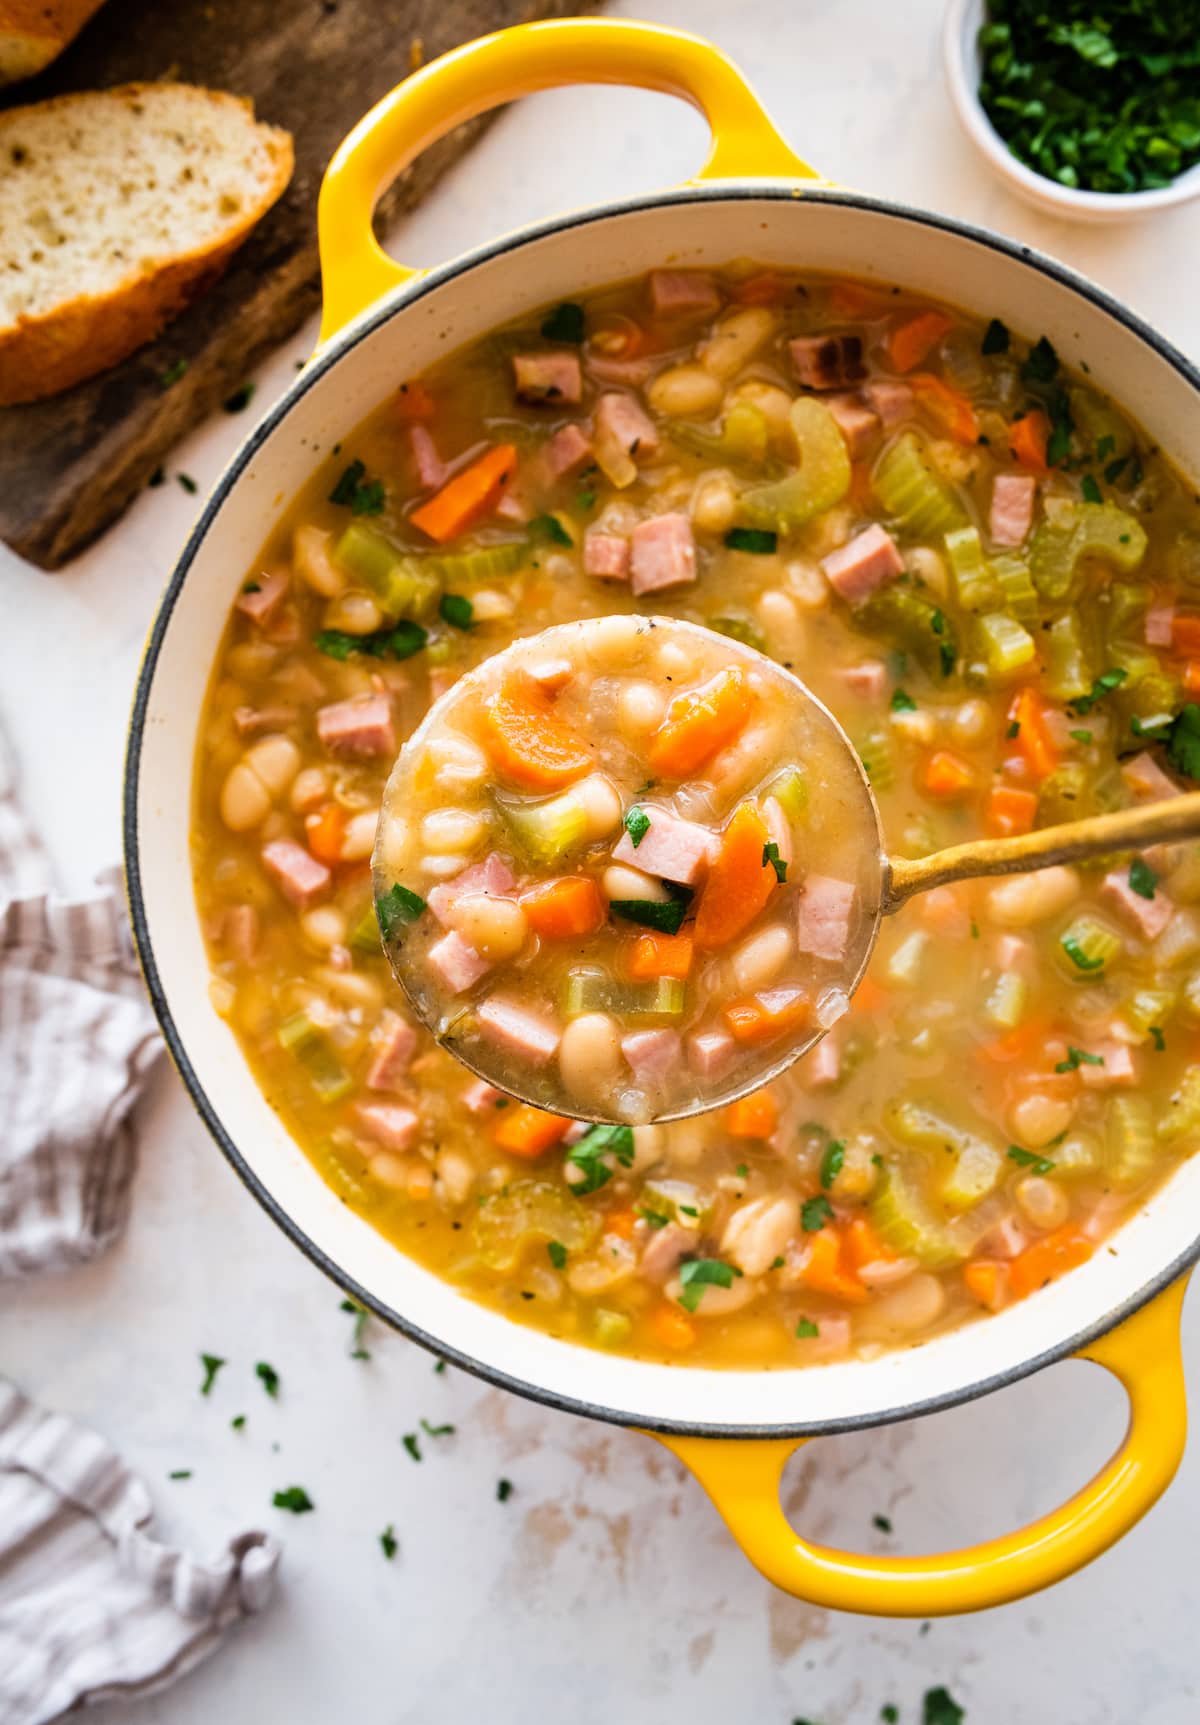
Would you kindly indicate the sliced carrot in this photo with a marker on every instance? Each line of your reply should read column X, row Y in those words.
column 766, row 288
column 1033, row 737
column 913, row 341
column 869, row 996
column 325, row 832
column 826, row 1270
column 470, row 494
column 1020, row 1043
column 852, row 299
column 1028, row 439
column 863, row 1245
column 529, row 1132
column 987, row 1282
column 655, row 955
column 739, row 882
column 1047, row 1259
column 529, row 743
column 671, row 1328
column 621, row 1223
column 413, row 401
column 946, row 775
column 699, row 723
column 949, row 408
column 1191, row 677
column 564, row 909
column 1009, row 810
column 1185, row 635
column 753, row 1116
column 762, row 1017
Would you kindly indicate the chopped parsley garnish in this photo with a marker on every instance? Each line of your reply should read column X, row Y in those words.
column 1091, row 491
column 1160, row 1041
column 1142, row 878
column 359, row 1314
column 665, row 917
column 742, row 1171
column 1081, row 736
column 1014, row 728
column 564, row 323
column 238, row 1423
column 654, row 1218
column 388, row 1541
column 1041, row 366
column 1104, row 684
column 158, row 477
column 771, row 855
column 1154, row 730
column 1105, row 446
column 1183, row 741
column 1116, row 468
column 551, row 528
column 588, row 1156
column 180, row 1473
column 437, row 1431
column 902, row 702
column 295, row 1498
column 940, row 1708
column 241, row 398
column 938, row 623
column 354, row 491
column 882, row 1523
column 806, row 1330
column 1077, row 1057
column 212, row 1364
column 268, row 1377
column 832, row 1161
column 995, row 337
column 188, row 483
column 700, row 1273
column 637, row 825
column 557, row 1253
column 586, row 498
column 1062, row 426
column 399, row 905
column 759, row 541
column 457, row 610
column 889, row 1713
column 1031, row 1159
column 409, row 1440
column 173, row 372
column 400, row 641
column 815, row 1212
column 1078, row 957
column 504, row 1490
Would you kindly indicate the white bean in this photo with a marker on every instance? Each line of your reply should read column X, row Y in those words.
column 675, row 661
column 614, row 1262
column 589, row 1055
column 717, row 1302
column 780, row 618
column 736, row 339
column 456, row 760
column 684, row 391
column 928, row 566
column 640, row 707
column 325, row 926
column 355, row 613
column 919, row 727
column 714, row 504
column 496, row 927
column 773, row 403
column 761, row 957
column 441, row 867
column 619, row 882
column 314, row 564
column 972, row 722
column 1037, row 1119
column 488, row 606
column 757, row 1233
column 245, row 800
column 597, row 796
column 351, row 986
column 455, row 1174
column 914, row 1305
column 1033, row 897
column 389, row 1169
column 275, row 760
column 395, row 838
column 359, row 839
column 458, row 830
column 1045, row 1204
column 309, row 788
column 808, row 585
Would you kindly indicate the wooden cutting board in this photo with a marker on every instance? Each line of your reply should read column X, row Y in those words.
column 69, row 466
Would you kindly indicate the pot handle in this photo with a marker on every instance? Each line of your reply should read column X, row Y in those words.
column 495, row 69
column 743, row 1477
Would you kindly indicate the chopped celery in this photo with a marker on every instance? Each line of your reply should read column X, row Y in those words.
column 441, row 651
column 588, row 990
column 1149, row 1008
column 1127, row 604
column 364, row 936
column 790, row 790
column 1016, row 586
column 1082, row 530
column 974, row 586
column 904, row 1222
column 1111, row 791
column 1064, row 794
column 740, row 629
column 1096, row 419
column 876, row 754
column 1006, row 647
column 528, row 1212
column 405, row 585
column 301, row 1037
column 1088, row 947
column 914, row 624
column 975, row 1165
column 610, row 1328
column 743, row 441
column 976, row 1171
column 1182, row 1115
column 1007, row 1000
column 1152, row 699
column 921, row 502
column 1131, row 1141
column 1071, row 665
column 679, row 1201
column 546, row 832
column 821, row 480
column 485, row 563
column 904, row 966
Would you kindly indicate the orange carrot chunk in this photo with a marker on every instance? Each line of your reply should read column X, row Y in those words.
column 621, row 1223
column 913, row 341
column 826, row 1269
column 1028, row 439
column 325, row 832
column 470, row 494
column 851, row 299
column 739, row 882
column 699, row 723
column 949, row 408
column 529, row 1132
column 1185, row 636
column 655, row 955
column 987, row 1282
column 863, row 1245
column 564, row 909
column 529, row 743
column 671, row 1329
column 1046, row 1259
column 753, row 1116
column 946, row 775
column 1191, row 677
column 762, row 1017
column 1033, row 737
column 413, row 402
column 1009, row 811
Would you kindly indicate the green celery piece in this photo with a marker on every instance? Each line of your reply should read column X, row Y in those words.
column 302, row 1038
column 546, row 832
column 821, row 480
column 908, row 620
column 790, row 790
column 746, row 434
column 922, row 503
column 742, row 442
column 1082, row 530
column 1065, row 794
column 588, row 990
column 1132, row 1145
column 610, row 1328
column 527, row 1213
column 1149, row 1006
column 1078, row 1153
column 974, row 585
column 402, row 585
column 906, row 1224
column 975, row 1165
column 679, row 1200
column 1071, row 665
column 740, row 629
column 485, row 563
column 1127, row 603
column 1181, row 1118
column 1007, row 1000
column 877, row 755
column 1092, row 942
column 1007, row 648
column 1095, row 419
column 365, row 935
column 1017, row 591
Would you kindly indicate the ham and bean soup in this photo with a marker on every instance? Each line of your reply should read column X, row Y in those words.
column 681, row 873
column 982, row 568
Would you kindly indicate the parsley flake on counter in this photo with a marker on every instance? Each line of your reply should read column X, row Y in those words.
column 637, row 825
column 437, row 1431
column 212, row 1364
column 354, row 491
column 173, row 373
column 940, row 1708
column 889, row 1713
column 409, row 1440
column 294, row 1498
column 504, row 1490
column 180, row 1473
column 238, row 1423
column 188, row 483
column 814, row 1213
column 359, row 1314
column 268, row 1377
column 158, row 477
column 241, row 398
column 882, row 1523
column 700, row 1273
column 389, row 1544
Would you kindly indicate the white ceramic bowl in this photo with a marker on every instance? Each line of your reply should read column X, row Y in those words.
column 960, row 49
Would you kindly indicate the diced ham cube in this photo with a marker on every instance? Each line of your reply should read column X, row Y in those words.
column 624, row 422
column 823, row 1065
column 253, row 721
column 511, row 1026
column 568, row 449
column 298, row 875
column 480, row 1097
column 1118, row 1072
column 828, row 361
column 946, row 912
column 388, row 1123
column 261, row 604
column 664, row 1249
column 1004, row 1239
column 653, row 1055
column 1149, row 916
column 605, row 555
column 548, row 377
column 893, row 402
column 1012, row 508
column 361, row 726
column 671, row 848
column 867, row 679
column 239, row 931
column 858, row 424
column 1160, row 624
column 393, row 1048
column 513, row 507
column 1147, row 780
column 456, row 963
column 431, row 470
column 823, row 916
column 662, row 553
column 492, row 877
column 683, row 293
column 710, row 1052
column 855, row 570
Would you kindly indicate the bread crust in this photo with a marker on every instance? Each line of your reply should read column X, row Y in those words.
column 46, row 353
column 34, row 32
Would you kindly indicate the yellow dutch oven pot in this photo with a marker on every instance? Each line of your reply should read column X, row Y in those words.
column 383, row 322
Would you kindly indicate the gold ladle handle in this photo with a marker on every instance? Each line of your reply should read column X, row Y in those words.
column 1127, row 830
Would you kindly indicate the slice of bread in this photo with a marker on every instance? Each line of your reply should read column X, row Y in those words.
column 117, row 207
column 34, row 32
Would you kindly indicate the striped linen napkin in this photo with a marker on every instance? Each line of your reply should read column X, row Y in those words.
column 91, row 1605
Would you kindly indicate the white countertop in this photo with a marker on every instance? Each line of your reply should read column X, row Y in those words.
column 605, row 1589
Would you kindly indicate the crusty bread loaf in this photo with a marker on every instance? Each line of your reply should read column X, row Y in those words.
column 116, row 208
column 34, row 32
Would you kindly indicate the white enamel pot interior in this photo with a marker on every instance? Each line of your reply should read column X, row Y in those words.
column 710, row 225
